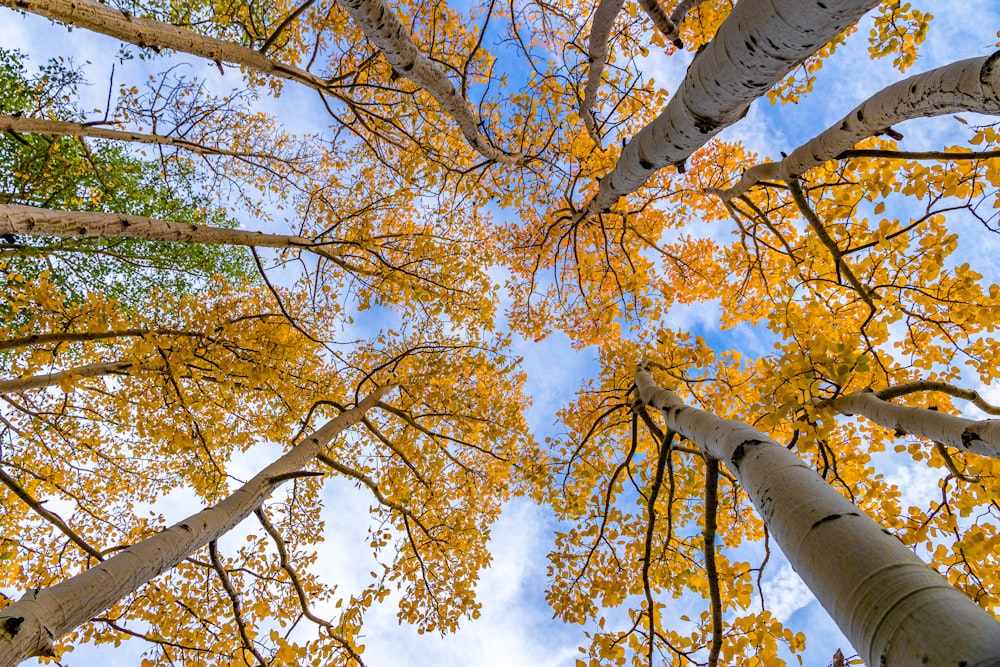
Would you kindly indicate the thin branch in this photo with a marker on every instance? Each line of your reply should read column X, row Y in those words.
column 712, row 572
column 831, row 245
column 890, row 393
column 234, row 598
column 51, row 517
column 293, row 576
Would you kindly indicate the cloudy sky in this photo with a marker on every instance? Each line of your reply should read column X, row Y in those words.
column 516, row 626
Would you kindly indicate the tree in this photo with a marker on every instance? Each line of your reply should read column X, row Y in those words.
column 433, row 128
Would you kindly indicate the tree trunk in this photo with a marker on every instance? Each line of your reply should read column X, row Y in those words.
column 383, row 28
column 43, row 380
column 29, row 626
column 969, row 435
column 147, row 33
column 758, row 44
column 33, row 221
column 597, row 48
column 967, row 85
column 61, row 128
column 895, row 610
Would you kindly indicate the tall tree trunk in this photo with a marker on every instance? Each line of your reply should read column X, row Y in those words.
column 967, row 85
column 758, row 44
column 33, row 221
column 29, row 626
column 28, row 125
column 380, row 24
column 43, row 380
column 597, row 48
column 895, row 610
column 142, row 32
column 979, row 437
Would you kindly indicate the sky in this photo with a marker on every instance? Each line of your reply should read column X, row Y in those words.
column 516, row 626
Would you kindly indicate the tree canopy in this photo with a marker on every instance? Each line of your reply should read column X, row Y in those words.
column 210, row 296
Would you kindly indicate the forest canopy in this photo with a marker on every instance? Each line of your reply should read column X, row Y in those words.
column 710, row 285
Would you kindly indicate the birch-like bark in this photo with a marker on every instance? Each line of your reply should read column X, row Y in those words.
column 43, row 380
column 758, row 44
column 979, row 437
column 383, row 28
column 597, row 49
column 145, row 33
column 27, row 125
column 663, row 23
column 967, row 85
column 682, row 9
column 895, row 610
column 33, row 221
column 29, row 626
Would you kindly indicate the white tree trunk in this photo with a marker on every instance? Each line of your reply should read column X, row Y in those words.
column 597, row 48
column 33, row 221
column 967, row 85
column 758, row 44
column 44, row 126
column 43, row 380
column 380, row 24
column 155, row 34
column 979, row 437
column 895, row 610
column 29, row 626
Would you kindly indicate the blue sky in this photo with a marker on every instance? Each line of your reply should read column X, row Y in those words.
column 516, row 625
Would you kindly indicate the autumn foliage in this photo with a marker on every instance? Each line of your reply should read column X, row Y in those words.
column 191, row 282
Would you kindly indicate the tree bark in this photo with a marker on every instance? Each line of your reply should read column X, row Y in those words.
column 597, row 48
column 33, row 221
column 895, row 610
column 44, row 380
column 44, row 126
column 29, row 626
column 758, row 44
column 380, row 24
column 145, row 33
column 967, row 85
column 969, row 435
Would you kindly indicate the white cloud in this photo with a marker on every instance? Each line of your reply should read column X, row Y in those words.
column 785, row 593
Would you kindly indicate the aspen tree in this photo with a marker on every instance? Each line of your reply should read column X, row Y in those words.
column 30, row 625
column 977, row 436
column 894, row 609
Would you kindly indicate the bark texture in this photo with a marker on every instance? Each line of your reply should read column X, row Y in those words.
column 895, row 610
column 758, row 44
column 29, row 626
column 380, row 24
column 43, row 380
column 597, row 49
column 967, row 85
column 659, row 17
column 155, row 34
column 25, row 125
column 33, row 221
column 979, row 437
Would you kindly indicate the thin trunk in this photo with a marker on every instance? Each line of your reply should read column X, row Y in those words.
column 969, row 435
column 29, row 626
column 682, row 9
column 33, row 221
column 383, row 28
column 967, row 85
column 895, row 610
column 44, row 380
column 147, row 33
column 25, row 125
column 758, row 44
column 662, row 22
column 600, row 31
column 84, row 336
